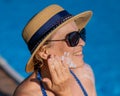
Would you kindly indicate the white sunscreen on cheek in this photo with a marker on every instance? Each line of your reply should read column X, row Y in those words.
column 68, row 60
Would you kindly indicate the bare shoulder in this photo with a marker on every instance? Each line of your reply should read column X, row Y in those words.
column 22, row 89
column 89, row 69
column 86, row 75
column 90, row 80
column 87, row 72
column 29, row 87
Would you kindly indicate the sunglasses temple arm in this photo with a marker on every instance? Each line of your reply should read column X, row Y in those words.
column 55, row 40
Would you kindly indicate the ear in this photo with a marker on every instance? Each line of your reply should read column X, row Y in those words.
column 43, row 52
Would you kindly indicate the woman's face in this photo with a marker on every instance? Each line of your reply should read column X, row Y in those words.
column 60, row 47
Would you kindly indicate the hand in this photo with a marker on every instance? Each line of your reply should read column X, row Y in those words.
column 60, row 75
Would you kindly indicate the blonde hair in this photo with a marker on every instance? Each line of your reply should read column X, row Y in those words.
column 38, row 61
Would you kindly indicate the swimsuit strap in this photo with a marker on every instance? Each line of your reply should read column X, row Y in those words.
column 42, row 87
column 79, row 83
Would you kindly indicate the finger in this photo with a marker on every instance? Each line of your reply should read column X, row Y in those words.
column 58, row 66
column 52, row 69
column 61, row 68
column 65, row 67
column 47, row 82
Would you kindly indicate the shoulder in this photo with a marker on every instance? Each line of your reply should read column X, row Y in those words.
column 22, row 90
column 88, row 72
column 89, row 75
column 86, row 75
column 29, row 87
column 88, row 68
column 85, row 72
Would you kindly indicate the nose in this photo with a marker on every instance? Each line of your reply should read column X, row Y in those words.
column 81, row 42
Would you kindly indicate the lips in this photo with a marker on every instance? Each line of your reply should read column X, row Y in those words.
column 78, row 53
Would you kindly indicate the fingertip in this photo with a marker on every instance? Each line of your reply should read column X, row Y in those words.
column 43, row 80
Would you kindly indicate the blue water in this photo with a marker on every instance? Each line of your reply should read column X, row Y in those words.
column 103, row 36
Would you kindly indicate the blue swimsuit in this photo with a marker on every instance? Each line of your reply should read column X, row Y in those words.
column 77, row 80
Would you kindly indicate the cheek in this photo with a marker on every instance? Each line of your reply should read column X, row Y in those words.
column 59, row 48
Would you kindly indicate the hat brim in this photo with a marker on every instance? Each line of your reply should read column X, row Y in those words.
column 81, row 21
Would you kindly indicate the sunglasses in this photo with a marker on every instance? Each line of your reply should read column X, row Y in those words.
column 72, row 39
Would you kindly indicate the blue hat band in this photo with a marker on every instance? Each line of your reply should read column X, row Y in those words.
column 50, row 25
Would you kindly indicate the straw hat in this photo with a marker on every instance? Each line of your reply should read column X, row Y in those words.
column 46, row 23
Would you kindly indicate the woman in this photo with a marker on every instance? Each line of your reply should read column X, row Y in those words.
column 55, row 39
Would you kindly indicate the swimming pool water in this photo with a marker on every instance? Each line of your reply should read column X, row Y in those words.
column 103, row 32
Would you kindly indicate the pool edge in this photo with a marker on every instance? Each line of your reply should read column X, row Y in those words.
column 10, row 71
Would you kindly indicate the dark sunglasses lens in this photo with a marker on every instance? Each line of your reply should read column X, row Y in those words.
column 83, row 34
column 73, row 39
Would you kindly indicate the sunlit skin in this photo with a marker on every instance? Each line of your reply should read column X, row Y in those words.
column 56, row 76
column 61, row 46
